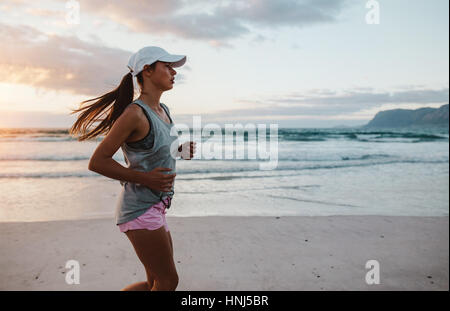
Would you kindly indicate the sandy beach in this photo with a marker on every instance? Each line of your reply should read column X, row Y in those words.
column 236, row 253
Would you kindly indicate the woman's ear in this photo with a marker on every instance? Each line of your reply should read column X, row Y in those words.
column 148, row 69
column 147, row 72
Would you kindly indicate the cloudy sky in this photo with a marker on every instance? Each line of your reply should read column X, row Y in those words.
column 304, row 63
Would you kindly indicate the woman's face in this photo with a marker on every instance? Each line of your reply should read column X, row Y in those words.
column 162, row 76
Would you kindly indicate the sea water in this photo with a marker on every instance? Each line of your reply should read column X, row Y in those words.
column 44, row 176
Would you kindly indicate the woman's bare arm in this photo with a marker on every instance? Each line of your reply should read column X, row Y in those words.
column 102, row 162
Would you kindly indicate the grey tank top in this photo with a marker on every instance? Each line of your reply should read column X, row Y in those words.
column 152, row 151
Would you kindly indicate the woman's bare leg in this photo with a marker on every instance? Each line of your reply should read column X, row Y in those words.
column 153, row 247
column 170, row 240
column 139, row 286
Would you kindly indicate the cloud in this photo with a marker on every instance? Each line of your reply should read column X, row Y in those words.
column 223, row 21
column 44, row 119
column 59, row 63
column 285, row 12
column 35, row 119
column 46, row 13
column 68, row 64
column 314, row 110
column 326, row 103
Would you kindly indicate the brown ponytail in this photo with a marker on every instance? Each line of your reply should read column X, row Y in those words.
column 120, row 97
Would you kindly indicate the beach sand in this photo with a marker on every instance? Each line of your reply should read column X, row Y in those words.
column 236, row 253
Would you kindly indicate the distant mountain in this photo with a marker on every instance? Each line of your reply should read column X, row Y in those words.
column 422, row 117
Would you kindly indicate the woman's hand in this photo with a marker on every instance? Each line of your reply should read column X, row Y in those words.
column 157, row 180
column 187, row 150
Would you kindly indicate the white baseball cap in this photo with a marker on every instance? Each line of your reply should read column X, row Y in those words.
column 150, row 54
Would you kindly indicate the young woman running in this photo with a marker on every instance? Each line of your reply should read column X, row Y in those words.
column 142, row 129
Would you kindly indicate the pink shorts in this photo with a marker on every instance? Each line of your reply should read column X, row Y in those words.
column 154, row 218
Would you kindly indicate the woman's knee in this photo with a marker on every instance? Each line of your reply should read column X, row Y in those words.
column 166, row 283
